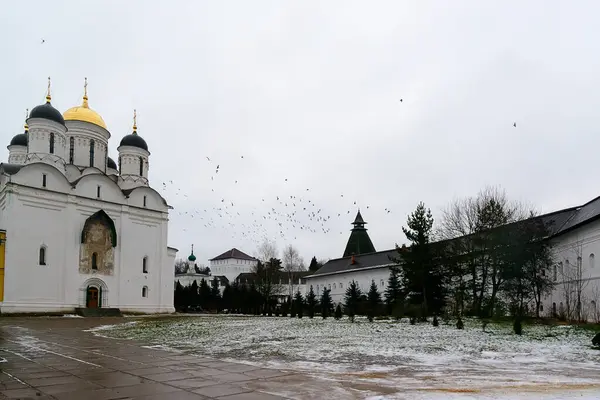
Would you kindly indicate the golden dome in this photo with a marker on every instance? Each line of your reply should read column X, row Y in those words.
column 84, row 112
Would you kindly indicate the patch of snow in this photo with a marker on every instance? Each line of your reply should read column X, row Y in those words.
column 72, row 316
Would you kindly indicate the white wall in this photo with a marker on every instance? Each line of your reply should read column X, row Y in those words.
column 231, row 267
column 34, row 217
column 585, row 243
column 338, row 283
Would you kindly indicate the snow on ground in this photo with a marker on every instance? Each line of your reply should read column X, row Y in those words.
column 432, row 362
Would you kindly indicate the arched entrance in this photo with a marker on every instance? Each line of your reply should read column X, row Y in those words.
column 93, row 294
column 93, row 297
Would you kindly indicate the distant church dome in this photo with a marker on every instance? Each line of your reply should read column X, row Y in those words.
column 19, row 140
column 133, row 139
column 46, row 111
column 84, row 112
column 110, row 163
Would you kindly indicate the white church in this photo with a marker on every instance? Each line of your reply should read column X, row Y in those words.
column 78, row 231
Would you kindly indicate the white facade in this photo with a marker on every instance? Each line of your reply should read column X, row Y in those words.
column 576, row 274
column 340, row 281
column 72, row 230
column 232, row 263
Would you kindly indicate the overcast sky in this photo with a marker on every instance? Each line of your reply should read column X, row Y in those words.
column 309, row 91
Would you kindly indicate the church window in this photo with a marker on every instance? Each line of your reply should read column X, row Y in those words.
column 555, row 272
column 141, row 166
column 42, row 255
column 381, row 283
column 145, row 291
column 95, row 261
column 44, row 179
column 71, row 150
column 51, row 142
column 145, row 265
column 543, row 271
column 341, row 285
column 120, row 164
column 334, row 285
column 98, row 191
column 541, row 307
column 144, row 201
column 592, row 260
column 91, row 153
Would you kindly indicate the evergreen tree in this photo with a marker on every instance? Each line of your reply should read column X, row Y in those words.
column 204, row 294
column 421, row 278
column 179, row 297
column 326, row 303
column 215, row 295
column 393, row 294
column 373, row 301
column 338, row 312
column 299, row 303
column 193, row 298
column 227, row 297
column 314, row 265
column 352, row 300
column 311, row 302
column 292, row 303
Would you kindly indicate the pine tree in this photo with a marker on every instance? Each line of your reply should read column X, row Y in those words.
column 215, row 295
column 419, row 274
column 326, row 303
column 193, row 298
column 227, row 297
column 311, row 302
column 352, row 300
column 338, row 312
column 373, row 301
column 204, row 294
column 299, row 303
column 314, row 265
column 179, row 297
column 393, row 293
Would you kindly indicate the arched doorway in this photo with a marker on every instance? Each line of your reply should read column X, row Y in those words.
column 93, row 297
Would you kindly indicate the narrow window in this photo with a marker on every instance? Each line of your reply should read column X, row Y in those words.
column 94, row 261
column 145, row 265
column 543, row 271
column 555, row 272
column 71, row 150
column 42, row 255
column 341, row 285
column 554, row 309
column 91, row 153
column 145, row 291
column 334, row 285
column 43, row 180
column 141, row 166
column 541, row 307
column 98, row 191
column 144, row 201
column 592, row 260
column 51, row 142
column 119, row 164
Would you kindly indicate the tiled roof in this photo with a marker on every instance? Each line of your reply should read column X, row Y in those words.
column 361, row 261
column 233, row 253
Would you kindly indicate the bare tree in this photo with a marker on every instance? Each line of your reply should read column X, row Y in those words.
column 266, row 250
column 292, row 262
column 180, row 266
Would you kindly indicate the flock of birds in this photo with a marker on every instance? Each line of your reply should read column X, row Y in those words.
column 282, row 216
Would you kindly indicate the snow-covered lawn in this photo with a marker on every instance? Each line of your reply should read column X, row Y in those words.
column 543, row 363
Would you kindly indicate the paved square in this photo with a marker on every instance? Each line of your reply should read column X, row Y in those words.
column 54, row 358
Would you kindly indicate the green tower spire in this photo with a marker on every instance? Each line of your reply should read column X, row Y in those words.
column 359, row 241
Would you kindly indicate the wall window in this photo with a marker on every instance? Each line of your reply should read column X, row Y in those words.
column 554, row 275
column 51, row 142
column 554, row 309
column 382, row 283
column 44, row 180
column 341, row 285
column 579, row 263
column 592, row 260
column 541, row 307
column 144, row 201
column 92, row 153
column 334, row 285
column 145, row 291
column 71, row 150
column 543, row 271
column 94, row 261
column 42, row 255
column 141, row 166
column 145, row 265
column 561, row 267
column 98, row 191
column 120, row 162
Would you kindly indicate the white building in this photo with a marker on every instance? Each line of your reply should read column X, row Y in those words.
column 232, row 263
column 78, row 231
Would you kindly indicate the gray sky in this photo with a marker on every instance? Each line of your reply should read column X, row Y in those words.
column 309, row 91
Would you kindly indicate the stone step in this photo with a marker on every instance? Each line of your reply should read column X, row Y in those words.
column 98, row 312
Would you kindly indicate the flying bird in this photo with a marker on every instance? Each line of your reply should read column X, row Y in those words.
column 515, row 124
column 400, row 100
column 43, row 41
column 208, row 158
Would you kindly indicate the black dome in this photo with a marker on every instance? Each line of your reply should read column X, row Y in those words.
column 110, row 163
column 135, row 141
column 46, row 111
column 19, row 140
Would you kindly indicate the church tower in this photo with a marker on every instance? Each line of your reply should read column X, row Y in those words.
column 359, row 241
column 47, row 140
column 133, row 159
